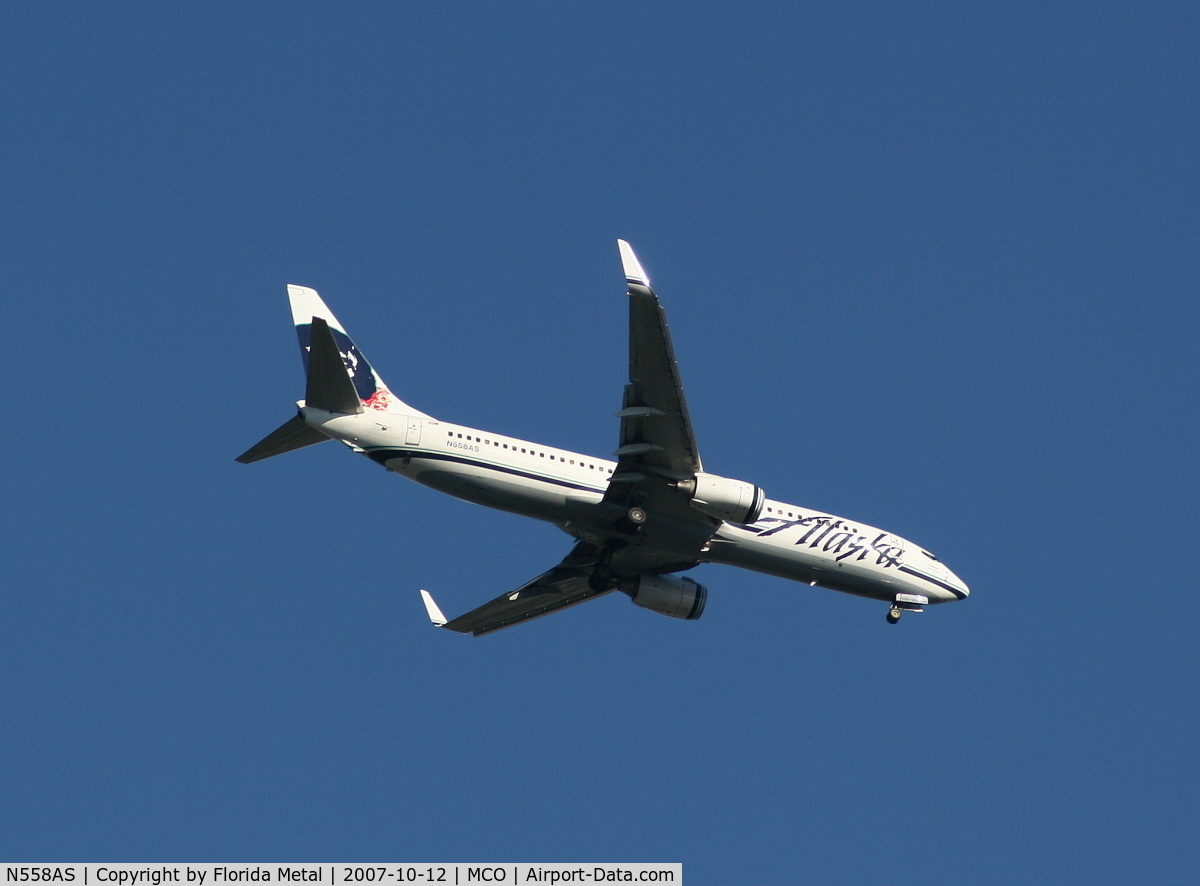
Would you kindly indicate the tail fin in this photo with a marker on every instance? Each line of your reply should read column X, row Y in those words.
column 307, row 307
column 330, row 381
column 340, row 379
column 330, row 388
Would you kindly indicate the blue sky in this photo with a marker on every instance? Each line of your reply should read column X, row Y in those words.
column 929, row 266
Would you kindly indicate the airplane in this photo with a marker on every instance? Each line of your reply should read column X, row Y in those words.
column 636, row 520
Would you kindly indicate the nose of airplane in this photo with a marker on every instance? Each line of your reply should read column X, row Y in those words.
column 958, row 585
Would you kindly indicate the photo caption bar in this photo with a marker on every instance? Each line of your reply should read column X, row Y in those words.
column 341, row 874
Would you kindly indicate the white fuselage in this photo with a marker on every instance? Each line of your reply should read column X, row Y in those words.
column 564, row 488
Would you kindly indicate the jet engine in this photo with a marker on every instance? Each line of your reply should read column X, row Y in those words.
column 676, row 597
column 725, row 499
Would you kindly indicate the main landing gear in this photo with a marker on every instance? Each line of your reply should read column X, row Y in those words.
column 632, row 521
column 601, row 578
column 894, row 614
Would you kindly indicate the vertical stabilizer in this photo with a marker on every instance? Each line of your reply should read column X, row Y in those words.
column 307, row 306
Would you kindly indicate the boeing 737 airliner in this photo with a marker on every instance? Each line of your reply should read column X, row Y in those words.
column 652, row 512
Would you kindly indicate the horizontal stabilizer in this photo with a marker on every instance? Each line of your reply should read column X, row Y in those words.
column 295, row 433
column 329, row 384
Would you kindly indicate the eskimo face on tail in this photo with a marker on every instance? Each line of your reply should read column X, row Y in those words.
column 374, row 394
column 367, row 385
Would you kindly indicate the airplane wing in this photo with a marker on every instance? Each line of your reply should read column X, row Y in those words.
column 658, row 448
column 563, row 586
column 655, row 429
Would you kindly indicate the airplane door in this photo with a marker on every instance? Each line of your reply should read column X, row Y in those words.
column 413, row 437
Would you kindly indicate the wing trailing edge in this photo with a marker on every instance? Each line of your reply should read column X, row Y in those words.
column 563, row 586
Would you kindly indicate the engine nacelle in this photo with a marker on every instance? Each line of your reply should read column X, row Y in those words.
column 734, row 500
column 676, row 597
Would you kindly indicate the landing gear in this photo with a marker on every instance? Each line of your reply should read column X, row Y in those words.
column 906, row 603
column 601, row 578
column 636, row 515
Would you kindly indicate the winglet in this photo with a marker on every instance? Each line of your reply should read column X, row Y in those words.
column 633, row 268
column 435, row 614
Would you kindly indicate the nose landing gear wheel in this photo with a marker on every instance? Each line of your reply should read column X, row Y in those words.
column 636, row 516
column 894, row 614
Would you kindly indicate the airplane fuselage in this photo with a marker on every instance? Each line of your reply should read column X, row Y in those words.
column 567, row 489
